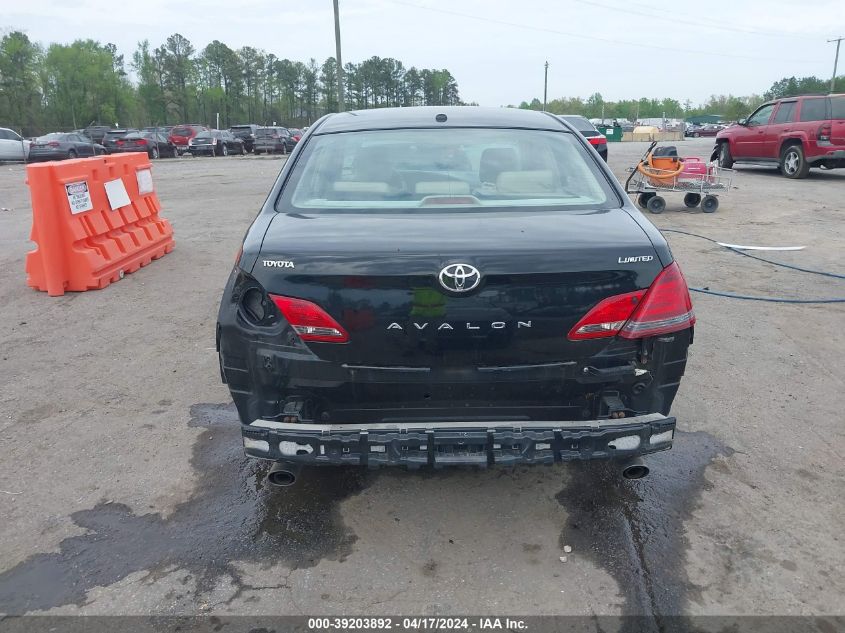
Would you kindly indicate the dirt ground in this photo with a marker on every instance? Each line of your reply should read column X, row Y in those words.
column 123, row 489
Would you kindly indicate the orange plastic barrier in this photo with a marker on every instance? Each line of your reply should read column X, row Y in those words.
column 93, row 220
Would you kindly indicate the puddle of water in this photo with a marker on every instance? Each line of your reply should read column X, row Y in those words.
column 233, row 516
column 634, row 529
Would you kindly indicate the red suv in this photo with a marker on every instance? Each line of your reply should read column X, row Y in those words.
column 796, row 133
column 181, row 135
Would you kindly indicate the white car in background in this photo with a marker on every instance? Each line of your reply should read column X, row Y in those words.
column 12, row 146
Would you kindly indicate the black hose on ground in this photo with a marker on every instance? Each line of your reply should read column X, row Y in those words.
column 732, row 295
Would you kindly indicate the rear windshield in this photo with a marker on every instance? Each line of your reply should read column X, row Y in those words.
column 266, row 131
column 838, row 105
column 446, row 168
column 54, row 136
column 241, row 128
column 185, row 130
column 580, row 123
column 114, row 133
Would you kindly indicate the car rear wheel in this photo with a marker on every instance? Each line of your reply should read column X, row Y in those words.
column 71, row 154
column 725, row 159
column 792, row 162
column 695, row 134
column 243, row 150
column 656, row 204
column 224, row 150
column 154, row 153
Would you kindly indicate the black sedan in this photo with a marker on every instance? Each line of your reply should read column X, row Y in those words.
column 216, row 143
column 111, row 138
column 154, row 144
column 589, row 132
column 61, row 145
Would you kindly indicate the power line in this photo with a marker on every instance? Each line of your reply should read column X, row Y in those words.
column 658, row 14
column 678, row 51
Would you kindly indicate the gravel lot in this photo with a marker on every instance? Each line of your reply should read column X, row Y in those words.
column 123, row 488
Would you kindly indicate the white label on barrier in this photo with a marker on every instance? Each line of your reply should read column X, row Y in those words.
column 145, row 181
column 78, row 197
column 116, row 192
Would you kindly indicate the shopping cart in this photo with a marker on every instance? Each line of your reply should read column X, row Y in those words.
column 661, row 170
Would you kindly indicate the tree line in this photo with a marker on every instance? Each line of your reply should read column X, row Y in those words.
column 730, row 107
column 69, row 86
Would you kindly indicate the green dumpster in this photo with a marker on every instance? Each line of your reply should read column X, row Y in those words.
column 613, row 134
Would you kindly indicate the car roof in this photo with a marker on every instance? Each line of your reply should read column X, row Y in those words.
column 424, row 117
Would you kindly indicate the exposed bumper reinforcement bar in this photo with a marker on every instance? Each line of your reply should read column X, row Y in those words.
column 439, row 444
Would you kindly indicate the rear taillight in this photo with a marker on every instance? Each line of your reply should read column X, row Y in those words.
column 119, row 142
column 53, row 144
column 141, row 141
column 608, row 317
column 601, row 139
column 310, row 321
column 665, row 307
column 824, row 133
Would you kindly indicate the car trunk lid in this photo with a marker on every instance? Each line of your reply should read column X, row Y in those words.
column 377, row 275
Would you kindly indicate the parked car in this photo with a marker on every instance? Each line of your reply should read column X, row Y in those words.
column 113, row 136
column 295, row 134
column 708, row 129
column 272, row 140
column 452, row 285
column 246, row 133
column 794, row 133
column 589, row 132
column 155, row 144
column 12, row 146
column 181, row 135
column 60, row 145
column 216, row 143
column 96, row 132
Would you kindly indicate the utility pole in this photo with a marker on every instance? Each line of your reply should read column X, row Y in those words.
column 340, row 104
column 838, row 41
column 546, row 86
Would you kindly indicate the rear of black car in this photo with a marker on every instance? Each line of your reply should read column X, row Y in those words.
column 478, row 292
column 246, row 133
column 589, row 132
column 111, row 138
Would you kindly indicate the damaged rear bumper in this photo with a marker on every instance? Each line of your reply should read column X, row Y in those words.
column 439, row 444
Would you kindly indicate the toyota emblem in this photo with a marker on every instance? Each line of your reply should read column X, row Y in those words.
column 459, row 277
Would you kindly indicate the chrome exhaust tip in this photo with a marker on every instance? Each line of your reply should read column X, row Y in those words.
column 282, row 474
column 634, row 469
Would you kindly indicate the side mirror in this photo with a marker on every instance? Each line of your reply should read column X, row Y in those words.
column 742, row 122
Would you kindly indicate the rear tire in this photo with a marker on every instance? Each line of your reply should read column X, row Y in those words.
column 692, row 200
column 793, row 164
column 725, row 159
column 656, row 204
column 71, row 154
column 695, row 134
column 709, row 204
column 154, row 154
column 224, row 150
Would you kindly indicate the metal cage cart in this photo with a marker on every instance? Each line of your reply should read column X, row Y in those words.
column 661, row 171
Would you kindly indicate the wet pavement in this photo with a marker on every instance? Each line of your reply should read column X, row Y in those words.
column 631, row 529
